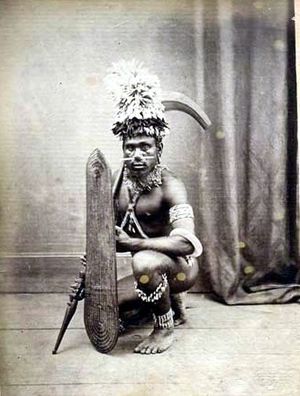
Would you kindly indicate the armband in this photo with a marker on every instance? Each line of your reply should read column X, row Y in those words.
column 189, row 236
column 181, row 211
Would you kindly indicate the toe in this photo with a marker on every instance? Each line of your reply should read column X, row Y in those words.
column 140, row 346
column 151, row 347
column 162, row 348
column 179, row 321
column 154, row 349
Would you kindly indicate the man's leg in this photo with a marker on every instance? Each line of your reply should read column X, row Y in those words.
column 179, row 308
column 132, row 310
column 157, row 276
column 127, row 297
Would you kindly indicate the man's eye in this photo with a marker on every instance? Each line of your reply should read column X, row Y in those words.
column 145, row 147
column 129, row 148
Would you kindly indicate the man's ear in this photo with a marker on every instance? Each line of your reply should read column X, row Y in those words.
column 159, row 151
column 158, row 155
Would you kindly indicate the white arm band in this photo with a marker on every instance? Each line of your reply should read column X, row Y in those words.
column 189, row 236
column 180, row 211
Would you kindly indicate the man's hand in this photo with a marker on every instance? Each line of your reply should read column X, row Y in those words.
column 123, row 240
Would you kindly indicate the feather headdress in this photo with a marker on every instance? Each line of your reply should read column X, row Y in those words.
column 136, row 94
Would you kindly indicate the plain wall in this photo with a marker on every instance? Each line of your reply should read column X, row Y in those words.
column 55, row 111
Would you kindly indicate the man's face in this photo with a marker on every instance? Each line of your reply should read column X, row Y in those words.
column 142, row 154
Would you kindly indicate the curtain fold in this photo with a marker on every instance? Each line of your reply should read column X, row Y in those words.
column 245, row 78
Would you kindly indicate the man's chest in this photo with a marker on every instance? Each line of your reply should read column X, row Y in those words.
column 147, row 206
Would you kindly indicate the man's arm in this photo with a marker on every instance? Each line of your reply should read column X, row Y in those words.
column 171, row 245
column 180, row 241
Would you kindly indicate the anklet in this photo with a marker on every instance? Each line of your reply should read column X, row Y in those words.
column 164, row 321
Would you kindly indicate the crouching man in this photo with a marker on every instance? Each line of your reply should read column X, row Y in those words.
column 154, row 219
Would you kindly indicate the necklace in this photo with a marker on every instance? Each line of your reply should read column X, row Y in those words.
column 137, row 186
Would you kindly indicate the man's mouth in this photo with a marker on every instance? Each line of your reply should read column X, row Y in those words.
column 138, row 165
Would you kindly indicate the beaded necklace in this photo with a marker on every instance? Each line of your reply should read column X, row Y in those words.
column 136, row 187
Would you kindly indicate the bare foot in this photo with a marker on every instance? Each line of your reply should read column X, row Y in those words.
column 178, row 306
column 179, row 321
column 158, row 341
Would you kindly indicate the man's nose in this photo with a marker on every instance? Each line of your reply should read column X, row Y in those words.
column 138, row 154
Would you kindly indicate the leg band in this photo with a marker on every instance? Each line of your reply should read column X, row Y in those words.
column 164, row 321
column 158, row 292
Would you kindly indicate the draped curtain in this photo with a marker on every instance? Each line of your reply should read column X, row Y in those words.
column 245, row 80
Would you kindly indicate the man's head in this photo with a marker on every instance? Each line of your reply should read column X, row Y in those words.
column 140, row 112
column 141, row 154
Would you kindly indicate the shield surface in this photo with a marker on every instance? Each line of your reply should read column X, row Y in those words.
column 101, row 301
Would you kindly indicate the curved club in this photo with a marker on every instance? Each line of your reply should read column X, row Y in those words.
column 181, row 102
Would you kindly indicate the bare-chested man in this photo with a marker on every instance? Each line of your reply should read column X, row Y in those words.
column 154, row 219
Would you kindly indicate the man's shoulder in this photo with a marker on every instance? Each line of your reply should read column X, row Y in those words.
column 173, row 187
column 169, row 177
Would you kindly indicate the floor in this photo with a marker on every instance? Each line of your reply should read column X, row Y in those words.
column 222, row 350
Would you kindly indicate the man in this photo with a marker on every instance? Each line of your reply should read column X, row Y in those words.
column 154, row 219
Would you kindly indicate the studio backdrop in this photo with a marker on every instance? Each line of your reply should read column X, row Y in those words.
column 247, row 172
column 234, row 58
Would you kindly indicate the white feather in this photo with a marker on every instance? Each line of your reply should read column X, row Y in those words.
column 135, row 91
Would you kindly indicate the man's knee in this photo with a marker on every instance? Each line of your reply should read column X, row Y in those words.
column 184, row 277
column 146, row 262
